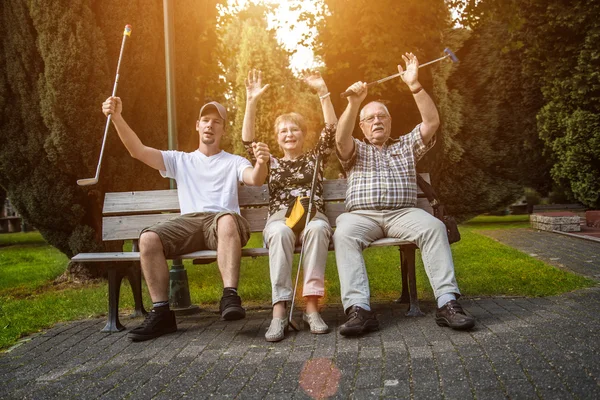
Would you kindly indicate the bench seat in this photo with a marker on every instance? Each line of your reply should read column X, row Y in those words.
column 208, row 254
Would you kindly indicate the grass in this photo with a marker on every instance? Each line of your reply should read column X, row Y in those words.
column 498, row 222
column 30, row 302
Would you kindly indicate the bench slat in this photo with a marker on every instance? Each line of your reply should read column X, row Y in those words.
column 157, row 201
column 153, row 201
column 128, row 227
column 206, row 254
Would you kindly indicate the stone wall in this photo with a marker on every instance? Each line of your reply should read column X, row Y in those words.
column 563, row 222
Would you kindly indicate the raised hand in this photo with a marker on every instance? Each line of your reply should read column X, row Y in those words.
column 254, row 88
column 315, row 81
column 360, row 90
column 411, row 75
column 261, row 152
column 112, row 105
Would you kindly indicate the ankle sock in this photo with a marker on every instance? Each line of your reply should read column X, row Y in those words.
column 160, row 304
column 443, row 299
column 364, row 306
column 230, row 291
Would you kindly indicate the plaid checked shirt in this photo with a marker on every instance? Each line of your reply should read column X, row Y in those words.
column 386, row 179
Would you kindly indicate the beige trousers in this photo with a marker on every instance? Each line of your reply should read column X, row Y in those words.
column 281, row 240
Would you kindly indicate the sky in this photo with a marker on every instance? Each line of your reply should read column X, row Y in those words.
column 290, row 30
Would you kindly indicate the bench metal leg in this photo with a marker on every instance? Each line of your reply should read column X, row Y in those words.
column 404, row 297
column 114, row 287
column 409, row 281
column 134, row 275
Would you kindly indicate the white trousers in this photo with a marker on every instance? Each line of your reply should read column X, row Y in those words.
column 281, row 240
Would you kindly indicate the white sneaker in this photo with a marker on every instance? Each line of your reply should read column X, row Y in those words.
column 316, row 323
column 276, row 331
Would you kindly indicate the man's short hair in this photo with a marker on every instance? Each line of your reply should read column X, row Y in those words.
column 291, row 117
column 213, row 105
column 362, row 110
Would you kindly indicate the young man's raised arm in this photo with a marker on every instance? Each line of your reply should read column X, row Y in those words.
column 343, row 136
column 148, row 155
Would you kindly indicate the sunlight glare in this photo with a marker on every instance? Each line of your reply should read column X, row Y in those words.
column 289, row 29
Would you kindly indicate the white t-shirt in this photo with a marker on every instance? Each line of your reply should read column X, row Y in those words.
column 205, row 184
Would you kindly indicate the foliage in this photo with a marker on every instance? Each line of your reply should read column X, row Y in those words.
column 57, row 65
column 502, row 151
column 474, row 152
column 246, row 44
column 555, row 43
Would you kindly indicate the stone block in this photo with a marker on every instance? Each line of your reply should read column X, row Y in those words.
column 563, row 222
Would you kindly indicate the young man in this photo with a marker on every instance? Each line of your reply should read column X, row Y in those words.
column 207, row 183
column 381, row 200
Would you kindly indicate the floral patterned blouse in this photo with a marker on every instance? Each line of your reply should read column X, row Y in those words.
column 292, row 178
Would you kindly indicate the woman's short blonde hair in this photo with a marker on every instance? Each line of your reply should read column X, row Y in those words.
column 290, row 117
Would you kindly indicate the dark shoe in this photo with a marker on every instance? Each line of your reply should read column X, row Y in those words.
column 359, row 321
column 453, row 315
column 158, row 322
column 231, row 308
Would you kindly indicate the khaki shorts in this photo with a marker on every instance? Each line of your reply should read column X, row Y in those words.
column 196, row 231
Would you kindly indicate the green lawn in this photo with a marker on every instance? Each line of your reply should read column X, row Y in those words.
column 30, row 302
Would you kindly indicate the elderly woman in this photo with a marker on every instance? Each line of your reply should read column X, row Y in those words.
column 291, row 176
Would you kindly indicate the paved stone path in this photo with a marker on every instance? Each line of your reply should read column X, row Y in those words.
column 521, row 348
column 573, row 253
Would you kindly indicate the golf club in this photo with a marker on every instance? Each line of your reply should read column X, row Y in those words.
column 449, row 53
column 313, row 187
column 94, row 180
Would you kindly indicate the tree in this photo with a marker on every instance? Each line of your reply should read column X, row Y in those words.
column 57, row 66
column 564, row 54
column 248, row 44
column 554, row 45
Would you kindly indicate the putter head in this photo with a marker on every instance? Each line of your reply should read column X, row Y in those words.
column 451, row 54
column 294, row 325
column 87, row 182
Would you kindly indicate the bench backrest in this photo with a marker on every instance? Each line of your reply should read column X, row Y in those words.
column 125, row 214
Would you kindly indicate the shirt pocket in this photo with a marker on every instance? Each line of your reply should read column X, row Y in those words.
column 399, row 164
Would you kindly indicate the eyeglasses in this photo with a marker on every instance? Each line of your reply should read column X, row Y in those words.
column 371, row 119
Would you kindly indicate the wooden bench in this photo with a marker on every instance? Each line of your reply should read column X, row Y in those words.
column 125, row 214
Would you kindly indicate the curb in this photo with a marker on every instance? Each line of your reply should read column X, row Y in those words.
column 593, row 239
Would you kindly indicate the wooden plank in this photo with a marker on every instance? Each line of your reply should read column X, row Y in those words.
column 141, row 202
column 125, row 227
column 130, row 226
column 157, row 201
column 104, row 257
column 209, row 255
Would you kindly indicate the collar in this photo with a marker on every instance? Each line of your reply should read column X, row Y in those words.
column 387, row 143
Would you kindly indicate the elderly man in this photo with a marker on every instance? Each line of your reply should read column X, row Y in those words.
column 381, row 200
column 207, row 181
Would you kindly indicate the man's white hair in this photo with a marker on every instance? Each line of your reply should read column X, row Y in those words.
column 362, row 111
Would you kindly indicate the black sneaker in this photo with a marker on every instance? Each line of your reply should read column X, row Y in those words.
column 159, row 321
column 453, row 315
column 359, row 321
column 231, row 308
